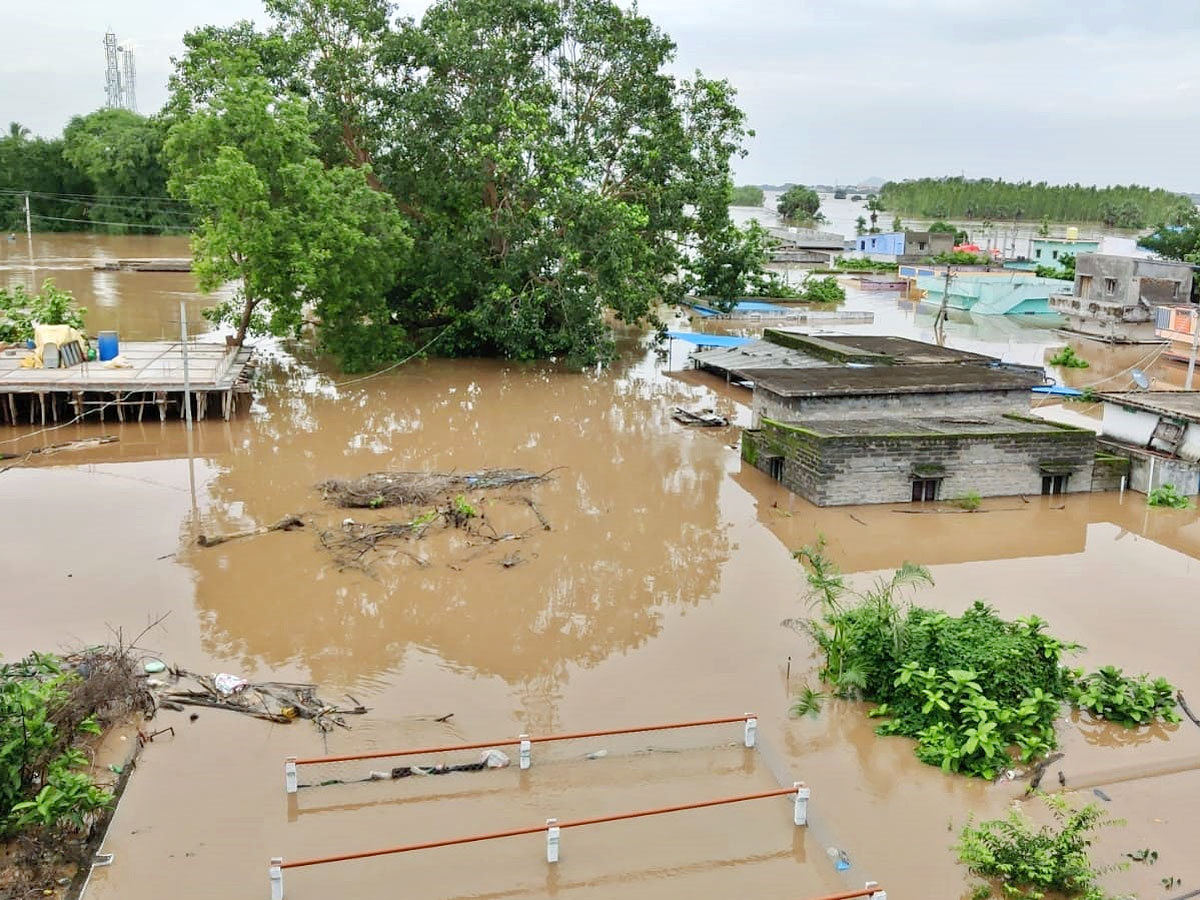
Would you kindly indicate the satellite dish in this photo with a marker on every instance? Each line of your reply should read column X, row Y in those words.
column 1140, row 379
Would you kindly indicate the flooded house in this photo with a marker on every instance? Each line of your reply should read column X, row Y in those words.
column 1049, row 251
column 1002, row 293
column 904, row 246
column 1114, row 297
column 856, row 419
column 1159, row 433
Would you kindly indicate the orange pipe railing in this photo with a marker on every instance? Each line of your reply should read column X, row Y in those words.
column 514, row 832
column 506, row 742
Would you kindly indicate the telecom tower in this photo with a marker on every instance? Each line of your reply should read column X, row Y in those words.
column 120, row 74
column 112, row 72
column 128, row 77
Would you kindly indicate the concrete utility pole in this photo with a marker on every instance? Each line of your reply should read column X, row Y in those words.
column 1195, row 347
column 29, row 236
column 187, row 383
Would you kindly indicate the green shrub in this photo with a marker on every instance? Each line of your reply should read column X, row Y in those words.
column 39, row 779
column 1167, row 496
column 822, row 290
column 960, row 258
column 1027, row 861
column 969, row 501
column 1108, row 694
column 1069, row 359
column 862, row 265
column 747, row 195
column 975, row 691
column 21, row 310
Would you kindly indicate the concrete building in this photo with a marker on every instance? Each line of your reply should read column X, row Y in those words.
column 1159, row 433
column 1115, row 296
column 904, row 246
column 872, row 419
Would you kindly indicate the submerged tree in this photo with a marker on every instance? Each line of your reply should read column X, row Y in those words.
column 293, row 234
column 550, row 170
column 799, row 202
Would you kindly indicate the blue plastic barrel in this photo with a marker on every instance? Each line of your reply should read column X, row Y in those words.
column 108, row 345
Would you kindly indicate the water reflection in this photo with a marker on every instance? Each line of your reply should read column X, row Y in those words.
column 594, row 586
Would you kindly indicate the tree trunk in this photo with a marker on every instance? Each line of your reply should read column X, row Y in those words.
column 244, row 324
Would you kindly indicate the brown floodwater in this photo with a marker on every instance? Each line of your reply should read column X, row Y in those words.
column 657, row 595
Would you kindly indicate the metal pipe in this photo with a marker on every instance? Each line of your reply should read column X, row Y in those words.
column 1195, row 346
column 536, row 829
column 508, row 742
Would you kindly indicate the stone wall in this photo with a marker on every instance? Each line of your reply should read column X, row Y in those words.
column 769, row 405
column 841, row 470
column 1149, row 470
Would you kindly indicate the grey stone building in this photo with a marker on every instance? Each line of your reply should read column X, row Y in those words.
column 865, row 419
column 1115, row 296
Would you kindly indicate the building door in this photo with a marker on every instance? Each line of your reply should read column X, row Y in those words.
column 925, row 489
column 1054, row 484
column 775, row 467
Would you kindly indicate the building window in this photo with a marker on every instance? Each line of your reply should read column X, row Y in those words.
column 920, row 245
column 1054, row 254
column 1110, row 286
column 1037, row 253
column 925, row 489
column 1054, row 484
column 1175, row 290
column 775, row 467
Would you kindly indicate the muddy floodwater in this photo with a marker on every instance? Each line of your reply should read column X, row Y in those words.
column 656, row 596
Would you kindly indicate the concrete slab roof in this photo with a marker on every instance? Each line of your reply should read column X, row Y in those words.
column 1179, row 404
column 932, row 426
column 937, row 378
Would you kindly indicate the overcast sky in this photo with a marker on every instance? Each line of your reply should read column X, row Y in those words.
column 1102, row 91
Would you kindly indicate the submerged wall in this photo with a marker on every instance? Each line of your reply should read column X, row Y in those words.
column 842, row 470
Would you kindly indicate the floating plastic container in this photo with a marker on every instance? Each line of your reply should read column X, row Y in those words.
column 109, row 349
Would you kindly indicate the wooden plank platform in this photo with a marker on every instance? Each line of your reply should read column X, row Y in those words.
column 156, row 366
column 154, row 378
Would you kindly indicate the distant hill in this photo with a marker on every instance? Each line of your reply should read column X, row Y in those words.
column 874, row 181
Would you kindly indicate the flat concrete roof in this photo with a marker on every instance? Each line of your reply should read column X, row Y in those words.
column 931, row 426
column 841, row 349
column 1180, row 404
column 832, row 381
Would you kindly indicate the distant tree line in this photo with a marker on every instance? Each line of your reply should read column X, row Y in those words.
column 1131, row 206
column 747, row 195
column 105, row 173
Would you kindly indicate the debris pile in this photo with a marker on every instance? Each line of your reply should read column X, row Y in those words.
column 380, row 489
column 274, row 701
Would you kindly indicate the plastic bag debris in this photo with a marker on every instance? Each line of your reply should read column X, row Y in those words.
column 494, row 759
column 597, row 754
column 841, row 861
column 229, row 684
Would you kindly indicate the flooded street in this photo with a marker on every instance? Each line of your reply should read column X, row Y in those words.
column 656, row 595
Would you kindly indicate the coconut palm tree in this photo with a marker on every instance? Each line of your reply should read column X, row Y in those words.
column 17, row 131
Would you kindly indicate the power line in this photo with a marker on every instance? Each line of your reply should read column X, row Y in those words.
column 93, row 196
column 123, row 224
column 164, row 211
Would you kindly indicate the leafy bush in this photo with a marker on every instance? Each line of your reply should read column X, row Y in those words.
column 822, row 290
column 969, row 501
column 960, row 258
column 1166, row 495
column 862, row 265
column 1108, row 694
column 39, row 779
column 975, row 691
column 1069, row 359
column 1028, row 861
column 21, row 310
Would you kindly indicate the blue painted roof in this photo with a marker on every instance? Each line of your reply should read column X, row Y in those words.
column 1057, row 390
column 708, row 340
column 740, row 306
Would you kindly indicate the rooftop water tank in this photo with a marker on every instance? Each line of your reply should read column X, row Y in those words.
column 1072, row 233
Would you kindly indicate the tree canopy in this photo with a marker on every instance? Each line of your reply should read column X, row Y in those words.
column 1177, row 239
column 1121, row 206
column 799, row 202
column 550, row 172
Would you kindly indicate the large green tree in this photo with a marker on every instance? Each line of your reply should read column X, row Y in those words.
column 552, row 172
column 1179, row 238
column 295, row 236
column 799, row 202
